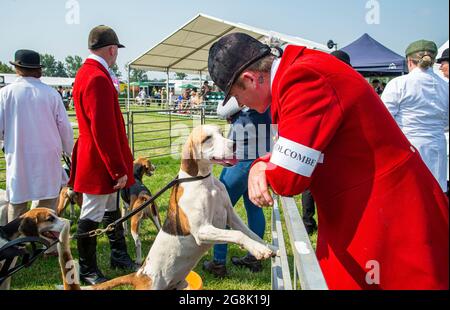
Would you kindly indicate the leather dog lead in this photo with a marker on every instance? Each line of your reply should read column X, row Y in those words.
column 27, row 257
column 113, row 225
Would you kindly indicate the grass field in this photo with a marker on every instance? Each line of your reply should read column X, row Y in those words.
column 44, row 274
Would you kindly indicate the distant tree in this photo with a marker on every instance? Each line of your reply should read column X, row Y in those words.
column 4, row 68
column 49, row 62
column 72, row 65
column 115, row 69
column 60, row 71
column 180, row 75
column 137, row 75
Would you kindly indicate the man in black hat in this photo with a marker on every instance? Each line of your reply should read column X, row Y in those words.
column 102, row 162
column 343, row 56
column 36, row 130
column 443, row 61
column 336, row 138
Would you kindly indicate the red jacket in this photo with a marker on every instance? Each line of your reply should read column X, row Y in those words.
column 379, row 207
column 101, row 155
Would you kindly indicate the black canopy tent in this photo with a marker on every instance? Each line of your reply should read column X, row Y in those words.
column 371, row 58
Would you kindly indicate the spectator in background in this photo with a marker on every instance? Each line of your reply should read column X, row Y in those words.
column 247, row 135
column 443, row 61
column 61, row 91
column 376, row 84
column 66, row 97
column 419, row 103
column 343, row 56
column 184, row 100
column 71, row 97
column 142, row 97
column 171, row 96
column 193, row 98
column 36, row 130
column 205, row 90
column 163, row 95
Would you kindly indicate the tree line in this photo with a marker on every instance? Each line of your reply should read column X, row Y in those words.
column 56, row 68
column 71, row 64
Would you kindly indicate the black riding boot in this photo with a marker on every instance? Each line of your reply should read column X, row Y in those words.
column 119, row 255
column 309, row 210
column 87, row 251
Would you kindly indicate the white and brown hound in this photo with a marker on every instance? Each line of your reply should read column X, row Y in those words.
column 135, row 196
column 196, row 219
column 68, row 196
column 44, row 223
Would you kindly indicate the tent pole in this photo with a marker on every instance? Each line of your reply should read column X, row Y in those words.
column 167, row 88
column 128, row 88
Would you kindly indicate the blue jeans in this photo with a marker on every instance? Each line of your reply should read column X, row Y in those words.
column 235, row 180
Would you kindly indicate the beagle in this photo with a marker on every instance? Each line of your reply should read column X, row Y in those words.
column 196, row 219
column 44, row 223
column 135, row 196
column 68, row 195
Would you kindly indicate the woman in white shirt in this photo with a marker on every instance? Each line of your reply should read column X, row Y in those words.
column 419, row 103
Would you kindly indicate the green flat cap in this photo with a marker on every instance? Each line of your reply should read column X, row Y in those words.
column 101, row 36
column 422, row 46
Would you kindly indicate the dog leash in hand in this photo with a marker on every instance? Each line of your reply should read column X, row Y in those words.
column 112, row 226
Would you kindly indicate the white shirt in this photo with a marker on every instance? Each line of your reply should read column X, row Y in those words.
column 419, row 103
column 35, row 129
column 273, row 70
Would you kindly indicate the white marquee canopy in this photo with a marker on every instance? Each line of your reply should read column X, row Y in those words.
column 186, row 50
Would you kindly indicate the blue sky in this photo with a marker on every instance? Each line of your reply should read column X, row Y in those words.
column 41, row 25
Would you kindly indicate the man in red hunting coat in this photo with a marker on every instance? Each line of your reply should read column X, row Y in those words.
column 383, row 218
column 102, row 160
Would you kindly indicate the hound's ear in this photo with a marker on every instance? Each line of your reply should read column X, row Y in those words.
column 189, row 161
column 148, row 165
column 138, row 169
column 28, row 227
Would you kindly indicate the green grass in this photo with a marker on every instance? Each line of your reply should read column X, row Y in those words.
column 44, row 274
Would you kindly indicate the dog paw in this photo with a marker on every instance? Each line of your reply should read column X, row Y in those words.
column 261, row 251
column 275, row 250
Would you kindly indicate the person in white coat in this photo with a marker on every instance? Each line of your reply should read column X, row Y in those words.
column 419, row 103
column 36, row 130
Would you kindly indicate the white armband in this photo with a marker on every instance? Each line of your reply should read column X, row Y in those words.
column 295, row 157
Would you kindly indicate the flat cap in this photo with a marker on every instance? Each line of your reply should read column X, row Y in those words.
column 421, row 46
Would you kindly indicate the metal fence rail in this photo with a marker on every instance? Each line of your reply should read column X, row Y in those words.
column 281, row 278
column 149, row 126
column 305, row 264
column 162, row 132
